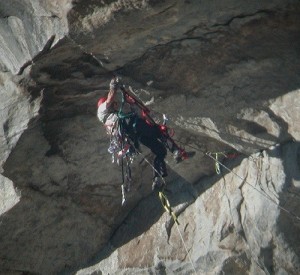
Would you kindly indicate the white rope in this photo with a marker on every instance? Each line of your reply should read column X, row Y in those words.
column 187, row 252
column 259, row 191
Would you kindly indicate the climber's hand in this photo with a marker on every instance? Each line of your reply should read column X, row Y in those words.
column 130, row 99
column 114, row 85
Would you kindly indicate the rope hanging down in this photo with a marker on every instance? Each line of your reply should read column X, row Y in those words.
column 218, row 170
column 217, row 162
column 167, row 206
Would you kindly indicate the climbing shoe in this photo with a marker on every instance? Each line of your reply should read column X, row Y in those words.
column 177, row 155
column 157, row 184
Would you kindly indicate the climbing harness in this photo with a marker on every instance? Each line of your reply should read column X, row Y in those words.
column 166, row 132
column 121, row 147
column 214, row 156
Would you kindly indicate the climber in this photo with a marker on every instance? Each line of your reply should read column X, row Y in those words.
column 136, row 128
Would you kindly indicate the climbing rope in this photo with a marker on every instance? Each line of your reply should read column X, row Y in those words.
column 216, row 159
column 166, row 205
column 259, row 191
column 185, row 247
column 83, row 49
column 217, row 165
column 233, row 155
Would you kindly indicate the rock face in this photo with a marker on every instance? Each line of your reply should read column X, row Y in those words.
column 227, row 76
column 233, row 226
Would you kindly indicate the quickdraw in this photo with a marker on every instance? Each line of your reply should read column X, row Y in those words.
column 217, row 163
column 166, row 205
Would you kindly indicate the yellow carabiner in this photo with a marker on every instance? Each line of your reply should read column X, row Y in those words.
column 217, row 165
column 166, row 205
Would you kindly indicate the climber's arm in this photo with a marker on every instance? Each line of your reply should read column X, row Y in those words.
column 111, row 96
column 113, row 87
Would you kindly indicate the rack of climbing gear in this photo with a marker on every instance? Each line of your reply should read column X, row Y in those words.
column 214, row 156
column 122, row 144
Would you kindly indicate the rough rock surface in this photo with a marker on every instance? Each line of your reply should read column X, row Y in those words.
column 230, row 226
column 227, row 75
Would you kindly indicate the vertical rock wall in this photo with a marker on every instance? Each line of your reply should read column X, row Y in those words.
column 26, row 27
column 242, row 222
column 227, row 74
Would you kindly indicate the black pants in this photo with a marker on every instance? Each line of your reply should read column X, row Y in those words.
column 149, row 135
